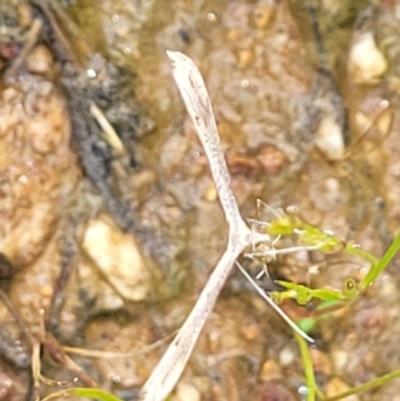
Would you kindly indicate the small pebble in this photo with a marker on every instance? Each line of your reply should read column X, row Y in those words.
column 246, row 58
column 274, row 392
column 263, row 14
column 250, row 329
column 337, row 386
column 366, row 62
column 384, row 122
column 234, row 35
column 340, row 360
column 187, row 392
column 321, row 362
column 271, row 159
column 211, row 195
column 286, row 356
column 270, row 371
column 369, row 359
column 329, row 139
column 363, row 121
column 40, row 61
column 119, row 258
column 25, row 17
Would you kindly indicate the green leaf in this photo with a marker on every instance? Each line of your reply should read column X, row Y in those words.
column 94, row 393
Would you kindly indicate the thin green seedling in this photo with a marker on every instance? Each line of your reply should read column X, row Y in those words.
column 307, row 324
column 313, row 238
column 321, row 313
column 309, row 236
column 311, row 386
column 350, row 291
column 93, row 393
column 313, row 392
column 362, row 388
column 380, row 265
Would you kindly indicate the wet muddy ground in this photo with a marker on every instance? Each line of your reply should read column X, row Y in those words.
column 109, row 234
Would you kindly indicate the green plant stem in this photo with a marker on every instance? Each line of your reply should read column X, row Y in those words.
column 94, row 393
column 361, row 253
column 380, row 265
column 308, row 367
column 380, row 381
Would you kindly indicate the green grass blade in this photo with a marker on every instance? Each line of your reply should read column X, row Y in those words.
column 308, row 367
column 380, row 381
column 94, row 393
column 377, row 268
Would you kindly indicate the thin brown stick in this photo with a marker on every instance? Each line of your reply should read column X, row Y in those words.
column 33, row 35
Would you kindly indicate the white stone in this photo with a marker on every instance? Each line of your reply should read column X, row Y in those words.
column 187, row 392
column 366, row 62
column 329, row 138
column 40, row 60
column 118, row 257
column 287, row 356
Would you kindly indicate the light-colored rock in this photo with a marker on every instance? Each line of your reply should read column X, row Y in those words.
column 270, row 371
column 329, row 138
column 321, row 362
column 118, row 257
column 287, row 356
column 340, row 360
column 187, row 392
column 263, row 14
column 38, row 170
column 384, row 122
column 250, row 329
column 363, row 121
column 92, row 282
column 245, row 58
column 40, row 60
column 366, row 62
column 25, row 15
column 337, row 386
